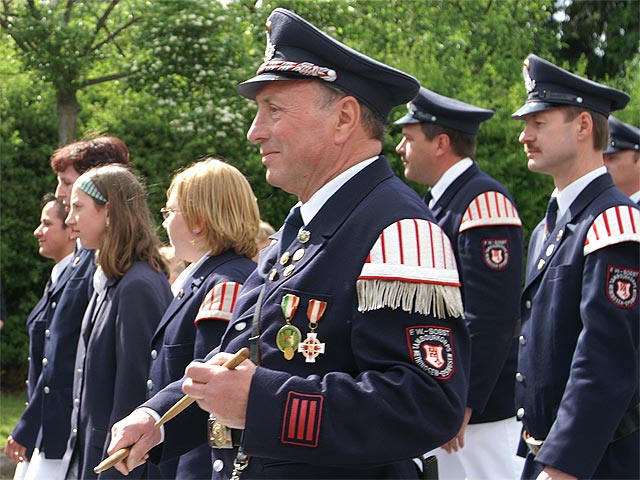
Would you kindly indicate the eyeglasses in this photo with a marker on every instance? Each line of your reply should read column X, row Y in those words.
column 166, row 211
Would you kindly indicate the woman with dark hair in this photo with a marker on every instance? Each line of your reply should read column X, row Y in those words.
column 109, row 213
column 211, row 218
column 56, row 243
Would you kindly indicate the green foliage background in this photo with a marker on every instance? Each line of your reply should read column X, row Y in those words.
column 175, row 64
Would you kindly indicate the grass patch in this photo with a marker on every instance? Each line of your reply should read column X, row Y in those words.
column 11, row 407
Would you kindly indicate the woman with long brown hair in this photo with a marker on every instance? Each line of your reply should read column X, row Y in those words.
column 109, row 213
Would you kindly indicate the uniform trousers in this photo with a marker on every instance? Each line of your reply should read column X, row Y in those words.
column 489, row 453
column 39, row 468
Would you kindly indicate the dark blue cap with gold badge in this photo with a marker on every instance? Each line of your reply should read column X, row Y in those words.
column 431, row 107
column 622, row 136
column 549, row 86
column 297, row 50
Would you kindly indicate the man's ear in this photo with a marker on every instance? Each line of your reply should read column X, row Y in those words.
column 584, row 125
column 348, row 118
column 443, row 143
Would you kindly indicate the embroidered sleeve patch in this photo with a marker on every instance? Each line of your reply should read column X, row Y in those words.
column 411, row 266
column 490, row 209
column 615, row 225
column 622, row 286
column 431, row 349
column 496, row 253
column 219, row 303
column 302, row 415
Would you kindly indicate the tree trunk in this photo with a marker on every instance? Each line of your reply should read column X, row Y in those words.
column 68, row 109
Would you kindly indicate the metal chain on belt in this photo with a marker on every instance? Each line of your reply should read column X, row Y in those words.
column 239, row 464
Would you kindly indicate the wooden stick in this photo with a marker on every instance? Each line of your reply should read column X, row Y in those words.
column 240, row 356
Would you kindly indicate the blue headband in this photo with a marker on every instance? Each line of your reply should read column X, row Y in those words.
column 88, row 187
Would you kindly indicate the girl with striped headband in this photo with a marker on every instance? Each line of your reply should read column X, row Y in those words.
column 109, row 213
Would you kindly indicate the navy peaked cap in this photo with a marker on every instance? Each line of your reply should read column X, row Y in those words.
column 622, row 136
column 431, row 107
column 549, row 86
column 297, row 50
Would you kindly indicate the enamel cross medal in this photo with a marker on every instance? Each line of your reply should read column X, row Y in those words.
column 312, row 347
column 288, row 337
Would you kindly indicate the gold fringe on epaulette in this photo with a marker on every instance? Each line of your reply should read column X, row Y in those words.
column 424, row 298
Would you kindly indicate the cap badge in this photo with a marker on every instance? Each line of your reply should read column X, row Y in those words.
column 529, row 83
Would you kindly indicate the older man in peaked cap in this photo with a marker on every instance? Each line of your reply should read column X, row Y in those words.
column 479, row 216
column 622, row 157
column 354, row 315
column 577, row 380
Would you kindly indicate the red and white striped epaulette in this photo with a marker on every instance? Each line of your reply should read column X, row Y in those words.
column 411, row 266
column 615, row 225
column 219, row 302
column 490, row 209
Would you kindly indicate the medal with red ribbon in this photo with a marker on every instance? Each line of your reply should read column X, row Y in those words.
column 312, row 347
column 289, row 336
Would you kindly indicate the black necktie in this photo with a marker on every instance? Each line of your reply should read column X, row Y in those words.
column 427, row 198
column 552, row 214
column 290, row 229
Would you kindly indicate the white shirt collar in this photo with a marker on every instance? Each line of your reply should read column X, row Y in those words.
column 448, row 178
column 567, row 196
column 178, row 283
column 635, row 197
column 59, row 267
column 311, row 207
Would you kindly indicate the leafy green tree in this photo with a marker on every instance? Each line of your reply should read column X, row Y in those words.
column 65, row 42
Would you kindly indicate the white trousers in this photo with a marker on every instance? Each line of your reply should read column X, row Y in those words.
column 39, row 468
column 489, row 453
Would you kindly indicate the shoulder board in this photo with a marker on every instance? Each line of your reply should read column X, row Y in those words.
column 219, row 302
column 615, row 225
column 411, row 266
column 490, row 209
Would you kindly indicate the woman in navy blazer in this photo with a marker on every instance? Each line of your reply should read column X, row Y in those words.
column 211, row 218
column 109, row 213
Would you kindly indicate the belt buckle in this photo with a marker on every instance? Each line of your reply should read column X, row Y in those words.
column 533, row 444
column 219, row 434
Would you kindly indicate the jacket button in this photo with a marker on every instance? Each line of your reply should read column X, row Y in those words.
column 45, row 361
column 53, row 304
column 150, row 384
column 46, row 390
column 26, row 382
column 240, row 326
column 527, row 304
column 47, row 333
column 154, row 354
column 218, row 465
column 519, row 377
column 520, row 413
column 76, row 402
column 522, row 339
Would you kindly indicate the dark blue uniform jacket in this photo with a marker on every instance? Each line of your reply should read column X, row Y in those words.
column 178, row 340
column 112, row 362
column 578, row 361
column 55, row 328
column 490, row 263
column 390, row 385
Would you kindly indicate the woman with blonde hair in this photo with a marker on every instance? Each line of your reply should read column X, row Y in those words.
column 211, row 218
column 109, row 213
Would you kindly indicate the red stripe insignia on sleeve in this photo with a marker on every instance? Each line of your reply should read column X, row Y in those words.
column 490, row 209
column 219, row 303
column 615, row 225
column 302, row 415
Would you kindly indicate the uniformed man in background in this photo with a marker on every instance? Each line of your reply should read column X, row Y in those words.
column 622, row 157
column 577, row 383
column 479, row 216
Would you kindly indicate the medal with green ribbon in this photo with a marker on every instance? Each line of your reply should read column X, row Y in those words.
column 288, row 337
column 312, row 347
